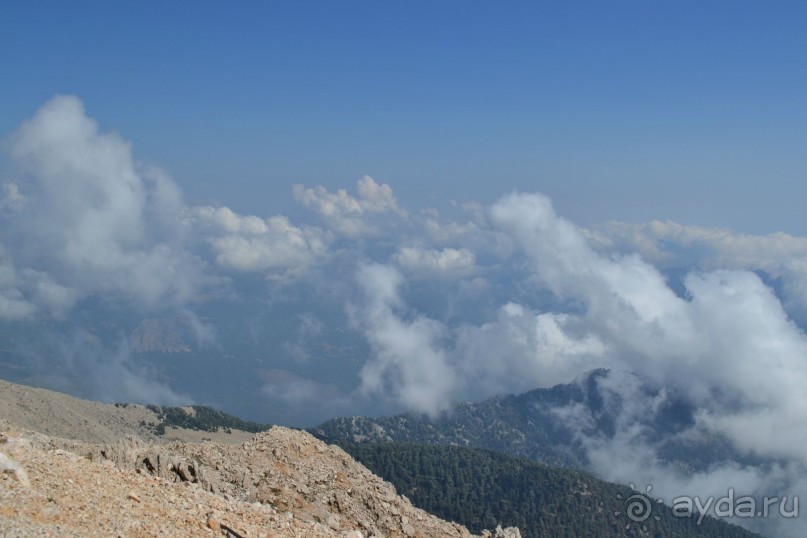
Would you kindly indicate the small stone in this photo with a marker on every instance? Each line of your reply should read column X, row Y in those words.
column 213, row 523
column 133, row 496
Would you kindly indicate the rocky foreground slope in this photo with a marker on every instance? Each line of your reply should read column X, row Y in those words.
column 278, row 483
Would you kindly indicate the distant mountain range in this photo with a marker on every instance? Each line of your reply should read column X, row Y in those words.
column 530, row 425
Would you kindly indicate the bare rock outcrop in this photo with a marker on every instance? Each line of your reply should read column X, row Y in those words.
column 508, row 532
column 290, row 471
column 69, row 467
column 279, row 483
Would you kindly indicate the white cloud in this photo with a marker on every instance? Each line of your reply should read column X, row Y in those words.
column 446, row 262
column 250, row 243
column 93, row 219
column 12, row 199
column 670, row 244
column 730, row 347
column 13, row 303
column 730, row 329
column 632, row 453
column 352, row 217
column 521, row 350
column 709, row 248
column 204, row 333
column 51, row 296
column 23, row 293
column 408, row 364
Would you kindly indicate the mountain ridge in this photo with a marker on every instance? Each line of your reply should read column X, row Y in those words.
column 529, row 425
column 282, row 482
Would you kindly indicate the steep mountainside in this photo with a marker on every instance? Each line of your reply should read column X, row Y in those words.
column 480, row 488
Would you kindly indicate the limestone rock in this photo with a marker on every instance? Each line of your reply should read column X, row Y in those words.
column 9, row 466
column 279, row 483
column 509, row 532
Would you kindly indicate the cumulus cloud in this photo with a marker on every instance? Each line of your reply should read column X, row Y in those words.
column 408, row 363
column 13, row 303
column 12, row 199
column 23, row 293
column 669, row 244
column 710, row 248
column 445, row 262
column 86, row 219
column 729, row 347
column 249, row 243
column 93, row 218
column 448, row 232
column 50, row 296
column 522, row 349
column 350, row 216
column 729, row 329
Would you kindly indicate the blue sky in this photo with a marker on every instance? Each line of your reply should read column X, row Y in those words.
column 691, row 111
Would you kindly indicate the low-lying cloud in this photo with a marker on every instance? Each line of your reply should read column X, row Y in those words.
column 728, row 347
column 408, row 363
column 273, row 246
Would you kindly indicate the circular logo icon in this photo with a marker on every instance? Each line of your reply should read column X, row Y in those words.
column 638, row 508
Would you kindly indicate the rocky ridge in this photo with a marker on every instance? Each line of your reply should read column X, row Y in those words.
column 279, row 483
